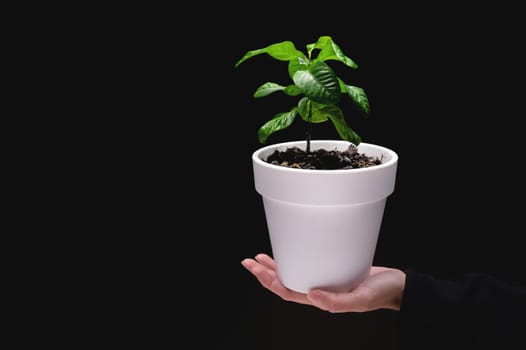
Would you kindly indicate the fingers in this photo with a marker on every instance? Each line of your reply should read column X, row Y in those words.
column 266, row 260
column 263, row 268
column 262, row 273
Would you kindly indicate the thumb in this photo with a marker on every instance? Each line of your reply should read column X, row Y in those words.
column 318, row 298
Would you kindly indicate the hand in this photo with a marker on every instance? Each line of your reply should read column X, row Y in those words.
column 383, row 289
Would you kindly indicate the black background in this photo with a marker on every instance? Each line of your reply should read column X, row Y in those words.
column 446, row 93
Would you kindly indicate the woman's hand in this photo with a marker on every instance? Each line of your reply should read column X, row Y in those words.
column 383, row 289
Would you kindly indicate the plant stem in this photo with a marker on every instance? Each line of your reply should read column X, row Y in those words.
column 309, row 128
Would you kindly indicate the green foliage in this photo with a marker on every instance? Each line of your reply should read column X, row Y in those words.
column 313, row 78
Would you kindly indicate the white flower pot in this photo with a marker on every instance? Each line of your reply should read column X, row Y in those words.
column 324, row 224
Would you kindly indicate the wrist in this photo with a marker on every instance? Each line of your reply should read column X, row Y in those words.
column 398, row 289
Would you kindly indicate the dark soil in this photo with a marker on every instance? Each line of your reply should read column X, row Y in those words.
column 322, row 159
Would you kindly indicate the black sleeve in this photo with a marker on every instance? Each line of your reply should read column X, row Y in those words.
column 475, row 312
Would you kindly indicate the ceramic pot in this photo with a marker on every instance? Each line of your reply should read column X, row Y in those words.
column 324, row 224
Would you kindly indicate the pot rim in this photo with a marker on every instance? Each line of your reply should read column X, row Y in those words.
column 391, row 156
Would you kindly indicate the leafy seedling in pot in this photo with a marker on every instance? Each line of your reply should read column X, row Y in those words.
column 317, row 83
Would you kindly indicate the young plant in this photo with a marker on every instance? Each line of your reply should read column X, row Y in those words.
column 317, row 83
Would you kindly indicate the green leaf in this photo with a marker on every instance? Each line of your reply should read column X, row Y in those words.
column 279, row 122
column 283, row 51
column 267, row 89
column 305, row 106
column 329, row 50
column 359, row 97
column 319, row 83
column 296, row 65
column 292, row 90
column 335, row 114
